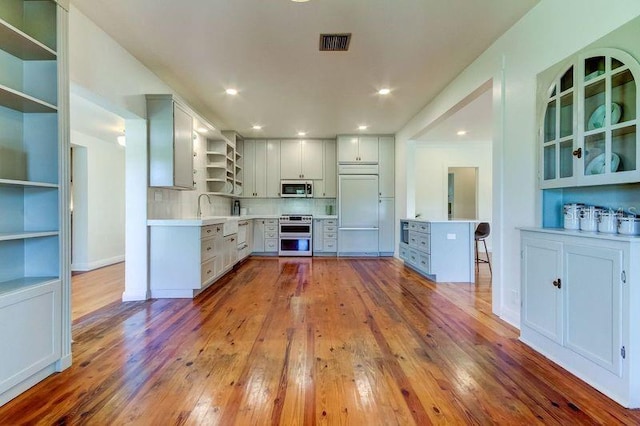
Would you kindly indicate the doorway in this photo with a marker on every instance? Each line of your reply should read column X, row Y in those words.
column 462, row 193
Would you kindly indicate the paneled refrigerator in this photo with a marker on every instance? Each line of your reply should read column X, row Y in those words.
column 358, row 210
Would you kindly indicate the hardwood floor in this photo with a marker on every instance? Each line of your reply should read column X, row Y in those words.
column 93, row 290
column 295, row 341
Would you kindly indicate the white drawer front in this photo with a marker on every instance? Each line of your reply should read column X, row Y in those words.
column 330, row 228
column 271, row 222
column 271, row 235
column 330, row 235
column 330, row 245
column 270, row 245
column 208, row 271
column 330, row 222
column 271, row 228
column 207, row 248
column 210, row 231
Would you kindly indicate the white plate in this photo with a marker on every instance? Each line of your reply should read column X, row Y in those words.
column 596, row 166
column 237, row 190
column 228, row 188
column 596, row 121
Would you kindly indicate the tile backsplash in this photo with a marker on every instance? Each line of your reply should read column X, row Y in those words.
column 314, row 206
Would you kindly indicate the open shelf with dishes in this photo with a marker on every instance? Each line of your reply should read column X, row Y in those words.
column 588, row 132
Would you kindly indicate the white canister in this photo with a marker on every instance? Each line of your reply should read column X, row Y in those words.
column 629, row 225
column 572, row 215
column 608, row 222
column 589, row 218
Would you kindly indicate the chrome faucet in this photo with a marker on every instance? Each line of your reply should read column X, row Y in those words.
column 200, row 198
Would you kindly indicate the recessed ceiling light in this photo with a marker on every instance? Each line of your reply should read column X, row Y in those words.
column 299, row 1
column 256, row 127
column 302, row 133
column 384, row 91
column 363, row 127
column 461, row 132
column 231, row 92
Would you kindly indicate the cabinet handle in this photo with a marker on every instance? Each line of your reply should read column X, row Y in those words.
column 577, row 153
column 208, row 231
column 209, row 271
column 557, row 283
column 208, row 248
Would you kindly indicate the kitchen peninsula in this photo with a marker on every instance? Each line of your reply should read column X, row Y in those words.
column 442, row 251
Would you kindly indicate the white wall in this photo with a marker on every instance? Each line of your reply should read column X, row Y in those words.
column 550, row 32
column 99, row 203
column 432, row 162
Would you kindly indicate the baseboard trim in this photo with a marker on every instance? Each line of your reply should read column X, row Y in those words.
column 90, row 266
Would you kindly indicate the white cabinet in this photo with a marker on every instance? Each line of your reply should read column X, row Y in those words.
column 579, row 299
column 184, row 260
column 265, row 237
column 170, row 143
column 327, row 187
column 325, row 237
column 442, row 251
column 34, row 195
column 386, row 166
column 386, row 226
column 272, row 166
column 580, row 143
column 301, row 159
column 245, row 239
column 358, row 149
column 255, row 168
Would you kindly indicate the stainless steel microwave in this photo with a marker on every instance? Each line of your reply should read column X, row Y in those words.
column 296, row 189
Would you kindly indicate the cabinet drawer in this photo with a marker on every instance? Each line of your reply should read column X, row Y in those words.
column 330, row 235
column 330, row 245
column 413, row 239
column 413, row 257
column 210, row 231
column 207, row 248
column 403, row 252
column 330, row 228
column 423, row 227
column 207, row 271
column 413, row 226
column 271, row 245
column 330, row 222
column 424, row 243
column 271, row 235
column 269, row 222
column 271, row 228
column 424, row 263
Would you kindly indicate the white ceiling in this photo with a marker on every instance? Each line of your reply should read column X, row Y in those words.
column 268, row 50
column 475, row 118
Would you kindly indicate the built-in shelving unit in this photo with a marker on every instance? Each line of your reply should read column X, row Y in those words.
column 34, row 231
column 224, row 165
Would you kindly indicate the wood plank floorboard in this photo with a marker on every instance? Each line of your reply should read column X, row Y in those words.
column 297, row 341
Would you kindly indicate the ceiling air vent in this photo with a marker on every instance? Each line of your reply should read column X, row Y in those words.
column 335, row 42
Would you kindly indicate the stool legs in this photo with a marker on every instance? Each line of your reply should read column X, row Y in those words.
column 478, row 260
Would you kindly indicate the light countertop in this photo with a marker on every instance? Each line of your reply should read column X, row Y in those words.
column 443, row 221
column 584, row 234
column 214, row 220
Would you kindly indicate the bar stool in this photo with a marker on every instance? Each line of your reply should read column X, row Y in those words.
column 482, row 232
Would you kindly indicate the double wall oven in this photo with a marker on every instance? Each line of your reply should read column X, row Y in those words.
column 296, row 235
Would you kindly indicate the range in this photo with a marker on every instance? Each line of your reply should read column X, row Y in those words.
column 296, row 235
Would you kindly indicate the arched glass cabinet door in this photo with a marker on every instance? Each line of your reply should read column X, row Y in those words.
column 558, row 130
column 609, row 117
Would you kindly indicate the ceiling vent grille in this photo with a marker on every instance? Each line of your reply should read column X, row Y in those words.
column 335, row 42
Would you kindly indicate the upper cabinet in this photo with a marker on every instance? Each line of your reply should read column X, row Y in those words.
column 301, row 159
column 327, row 188
column 357, row 149
column 588, row 133
column 170, row 143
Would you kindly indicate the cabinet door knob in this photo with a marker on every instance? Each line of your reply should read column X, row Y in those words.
column 577, row 153
column 557, row 283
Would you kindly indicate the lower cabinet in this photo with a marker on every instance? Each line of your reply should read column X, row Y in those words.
column 580, row 299
column 31, row 336
column 245, row 239
column 265, row 237
column 187, row 259
column 441, row 251
column 325, row 237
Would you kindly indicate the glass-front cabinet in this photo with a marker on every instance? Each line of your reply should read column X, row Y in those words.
column 588, row 131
